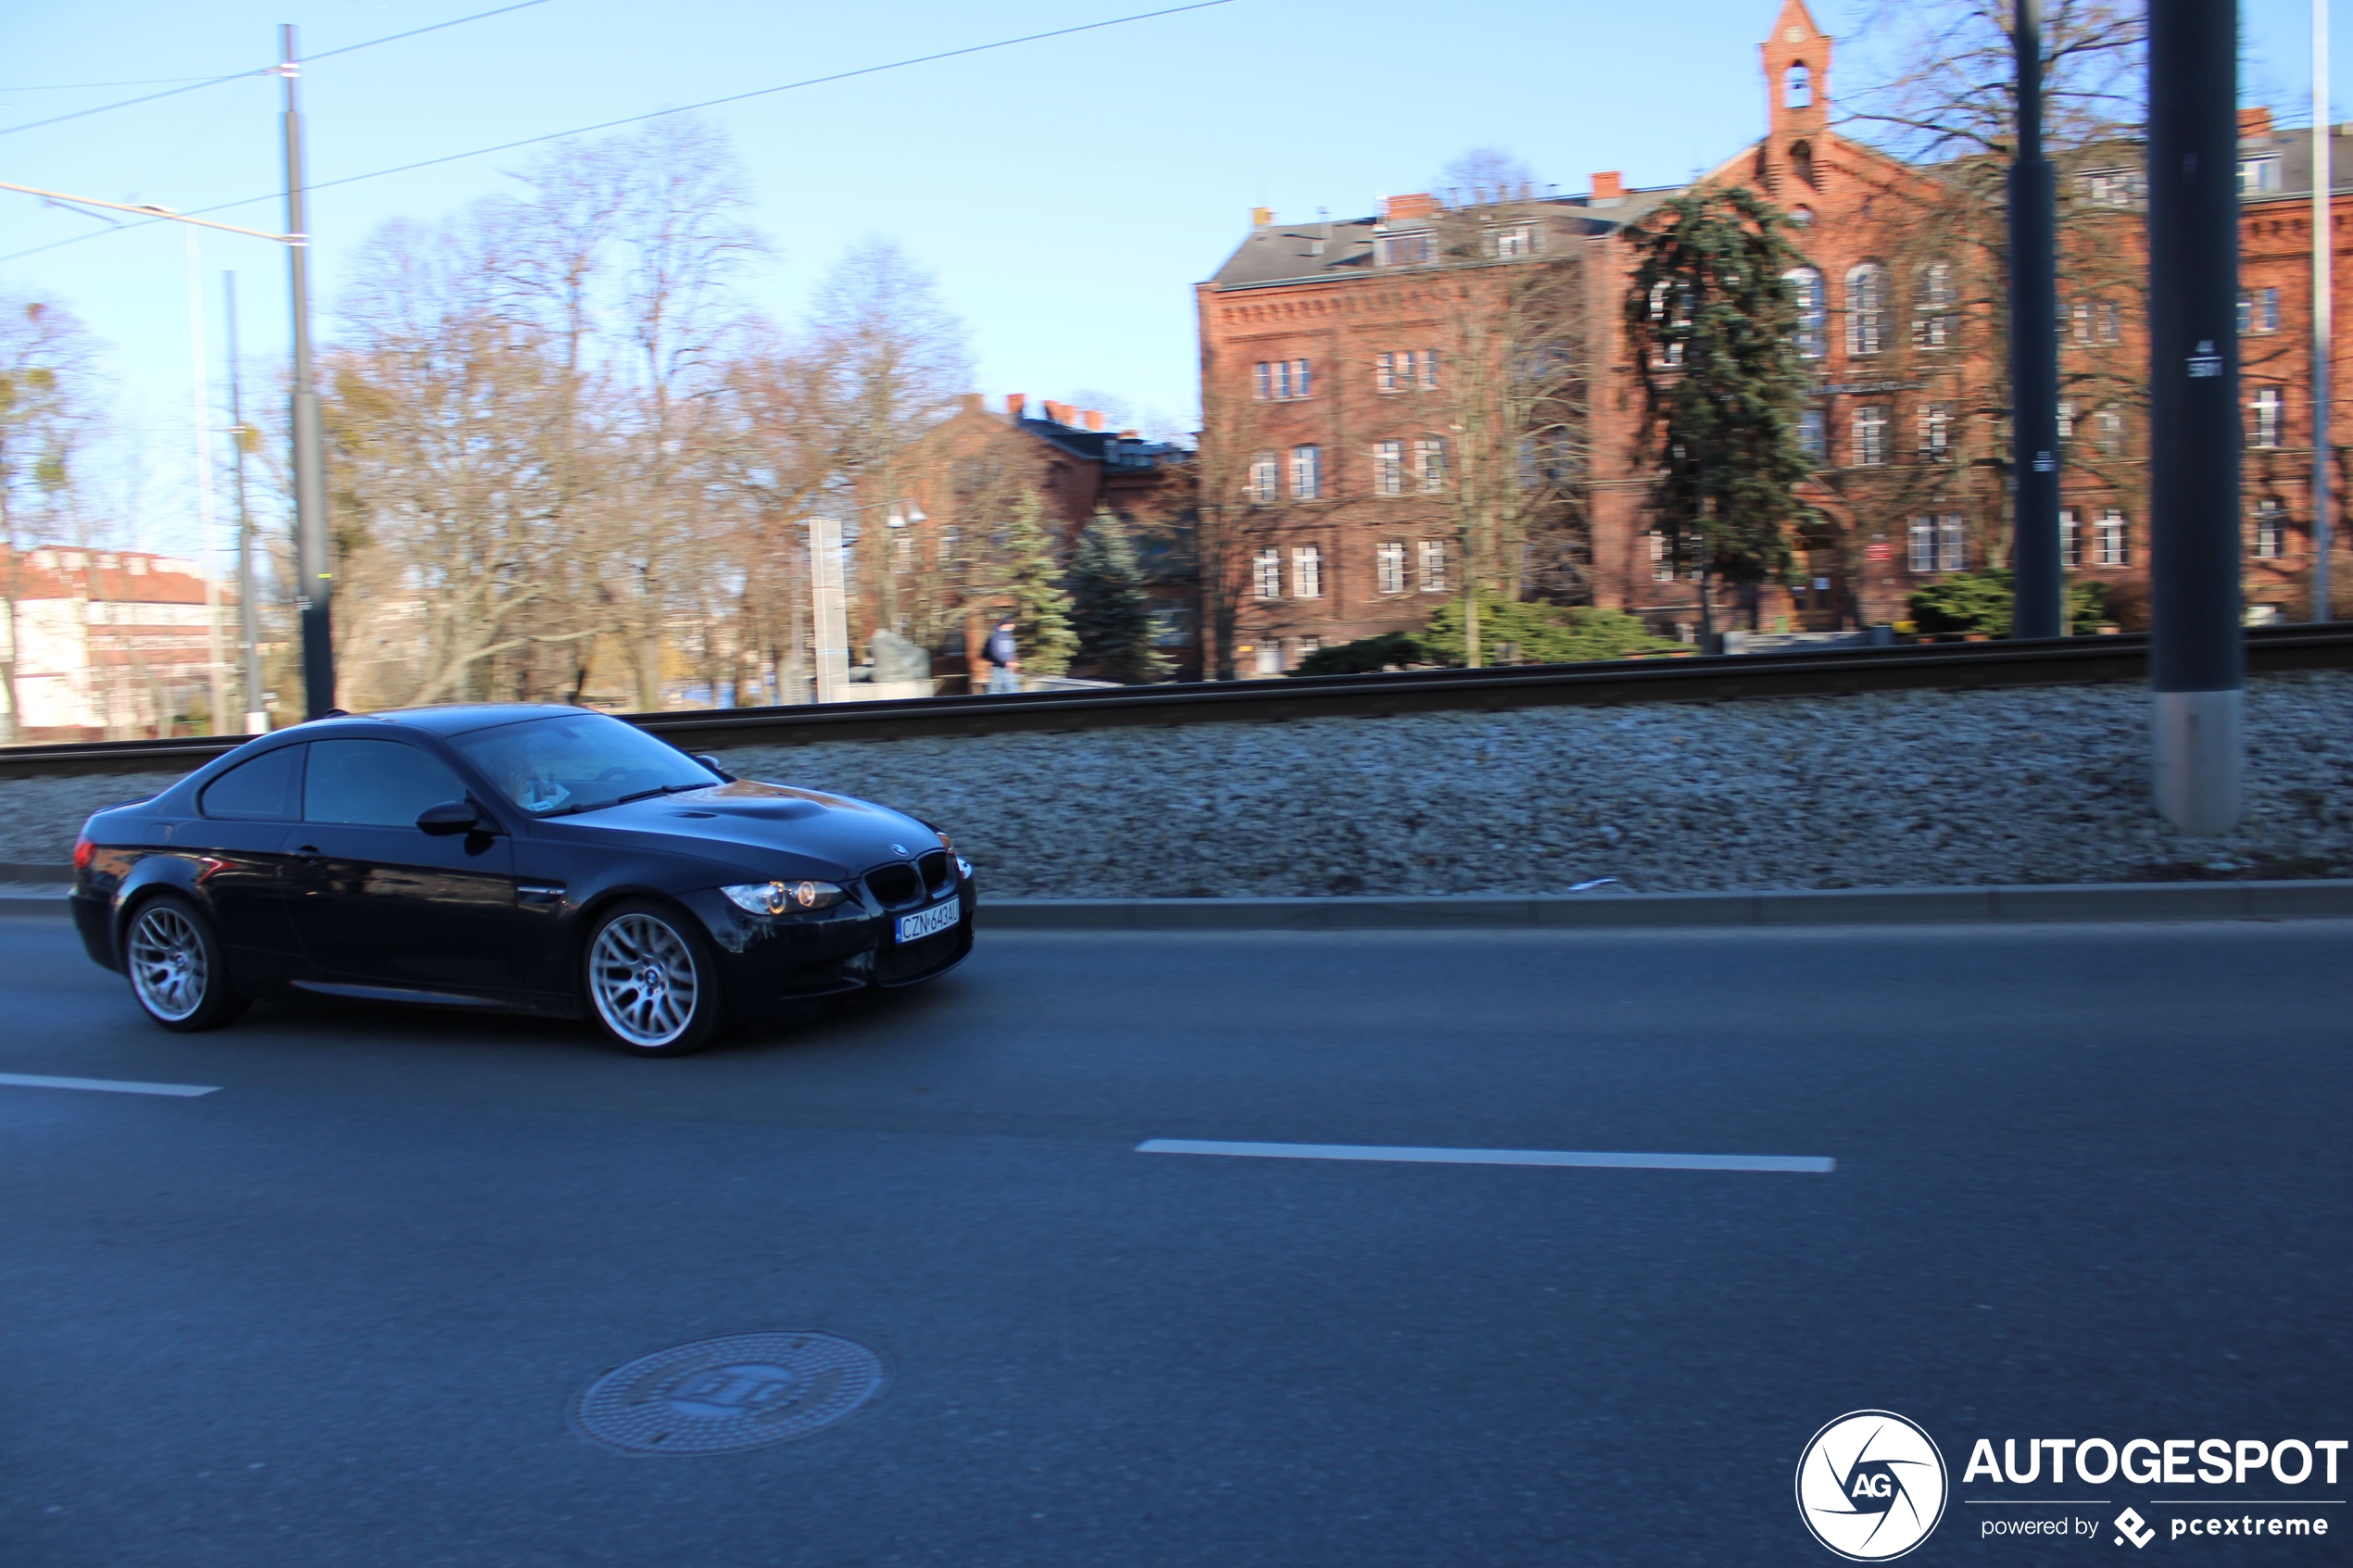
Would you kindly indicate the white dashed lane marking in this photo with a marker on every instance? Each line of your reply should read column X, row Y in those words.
column 1808, row 1163
column 105, row 1085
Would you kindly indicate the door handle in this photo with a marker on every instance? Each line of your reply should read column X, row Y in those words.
column 308, row 852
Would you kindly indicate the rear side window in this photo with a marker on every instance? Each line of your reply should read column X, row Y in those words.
column 260, row 791
column 374, row 783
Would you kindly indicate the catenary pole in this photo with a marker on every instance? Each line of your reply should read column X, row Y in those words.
column 2040, row 581
column 314, row 594
column 248, row 609
column 2197, row 653
column 216, row 667
column 2323, row 315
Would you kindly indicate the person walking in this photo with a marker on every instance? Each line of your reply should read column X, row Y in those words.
column 1004, row 660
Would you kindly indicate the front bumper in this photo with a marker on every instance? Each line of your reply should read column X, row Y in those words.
column 768, row 964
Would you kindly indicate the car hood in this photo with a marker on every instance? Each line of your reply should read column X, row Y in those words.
column 760, row 830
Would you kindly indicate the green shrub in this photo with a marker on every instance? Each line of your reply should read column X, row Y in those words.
column 1544, row 634
column 1981, row 602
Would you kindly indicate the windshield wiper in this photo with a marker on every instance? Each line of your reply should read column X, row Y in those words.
column 649, row 794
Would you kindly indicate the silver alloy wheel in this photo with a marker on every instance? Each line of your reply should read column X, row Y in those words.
column 641, row 975
column 168, row 967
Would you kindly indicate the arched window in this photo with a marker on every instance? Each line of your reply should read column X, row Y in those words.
column 1866, row 309
column 1802, row 216
column 1800, row 92
column 1813, row 314
column 1801, row 160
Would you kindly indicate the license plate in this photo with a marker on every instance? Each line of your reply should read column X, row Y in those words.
column 928, row 922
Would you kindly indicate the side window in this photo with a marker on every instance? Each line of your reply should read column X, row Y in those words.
column 374, row 783
column 258, row 791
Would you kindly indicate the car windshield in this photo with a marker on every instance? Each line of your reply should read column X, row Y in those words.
column 580, row 762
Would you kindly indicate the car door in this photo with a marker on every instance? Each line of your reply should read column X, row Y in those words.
column 238, row 838
column 384, row 903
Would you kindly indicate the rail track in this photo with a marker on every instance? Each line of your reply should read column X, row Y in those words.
column 1722, row 678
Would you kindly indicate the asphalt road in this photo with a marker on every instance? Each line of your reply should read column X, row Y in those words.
column 2089, row 1181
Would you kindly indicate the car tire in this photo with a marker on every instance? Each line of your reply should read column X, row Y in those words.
column 649, row 979
column 178, row 974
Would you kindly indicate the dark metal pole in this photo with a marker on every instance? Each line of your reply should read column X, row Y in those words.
column 2040, row 609
column 2197, row 653
column 248, row 608
column 314, row 561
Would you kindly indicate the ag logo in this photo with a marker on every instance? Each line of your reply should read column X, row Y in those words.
column 1870, row 1486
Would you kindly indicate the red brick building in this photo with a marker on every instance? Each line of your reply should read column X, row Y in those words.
column 1303, row 331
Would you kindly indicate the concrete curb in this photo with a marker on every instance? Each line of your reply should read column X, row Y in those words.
column 1857, row 906
column 1560, row 911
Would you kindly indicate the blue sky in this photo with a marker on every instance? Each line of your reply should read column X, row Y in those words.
column 1067, row 193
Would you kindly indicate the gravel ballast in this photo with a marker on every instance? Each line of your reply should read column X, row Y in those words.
column 1905, row 789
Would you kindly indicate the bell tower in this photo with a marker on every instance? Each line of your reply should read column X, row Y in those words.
column 1797, row 90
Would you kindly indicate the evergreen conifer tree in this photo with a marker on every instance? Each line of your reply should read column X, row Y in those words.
column 1712, row 327
column 1110, row 610
column 1033, row 581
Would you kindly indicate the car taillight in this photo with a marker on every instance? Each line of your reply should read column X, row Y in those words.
column 83, row 853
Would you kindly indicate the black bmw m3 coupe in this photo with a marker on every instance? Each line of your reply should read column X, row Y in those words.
column 544, row 859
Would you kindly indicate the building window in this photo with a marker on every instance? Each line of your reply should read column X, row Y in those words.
column 1867, row 308
column 1870, row 435
column 2258, row 175
column 2066, row 419
column 1813, row 435
column 1662, row 559
column 1802, row 216
column 2271, row 407
column 2270, row 529
column 1518, row 239
column 1405, row 250
column 2259, row 311
column 1813, row 312
column 1799, row 93
column 1389, row 567
column 1388, row 467
column 1263, row 479
column 1430, row 464
column 2071, row 539
column 1951, row 544
column 1307, row 572
column 1934, row 326
column 1270, row 657
column 1306, row 473
column 1801, row 160
column 1920, row 553
column 1431, row 554
column 2108, row 438
column 2109, row 187
column 1267, row 574
column 1281, row 381
column 1406, row 369
column 2114, row 544
column 1936, row 431
column 1667, row 351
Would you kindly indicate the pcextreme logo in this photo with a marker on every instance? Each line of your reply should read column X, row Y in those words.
column 1871, row 1486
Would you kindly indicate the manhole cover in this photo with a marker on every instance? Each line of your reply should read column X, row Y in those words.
column 718, row 1396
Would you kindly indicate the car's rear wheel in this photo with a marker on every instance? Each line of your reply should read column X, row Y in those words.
column 178, row 975
column 653, row 987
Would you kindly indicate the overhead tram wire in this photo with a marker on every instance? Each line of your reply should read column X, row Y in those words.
column 195, row 83
column 655, row 114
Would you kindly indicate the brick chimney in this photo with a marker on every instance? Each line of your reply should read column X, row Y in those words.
column 1262, row 217
column 2254, row 124
column 971, row 402
column 1015, row 403
column 1609, row 187
column 1094, row 419
column 1404, row 209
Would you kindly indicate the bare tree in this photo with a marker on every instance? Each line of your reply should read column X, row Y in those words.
column 47, row 364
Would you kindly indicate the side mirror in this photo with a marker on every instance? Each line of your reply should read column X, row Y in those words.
column 450, row 817
column 708, row 760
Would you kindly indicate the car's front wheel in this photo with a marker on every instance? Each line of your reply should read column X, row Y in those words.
column 653, row 987
column 178, row 974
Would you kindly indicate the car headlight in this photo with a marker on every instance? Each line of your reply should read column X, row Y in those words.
column 783, row 897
